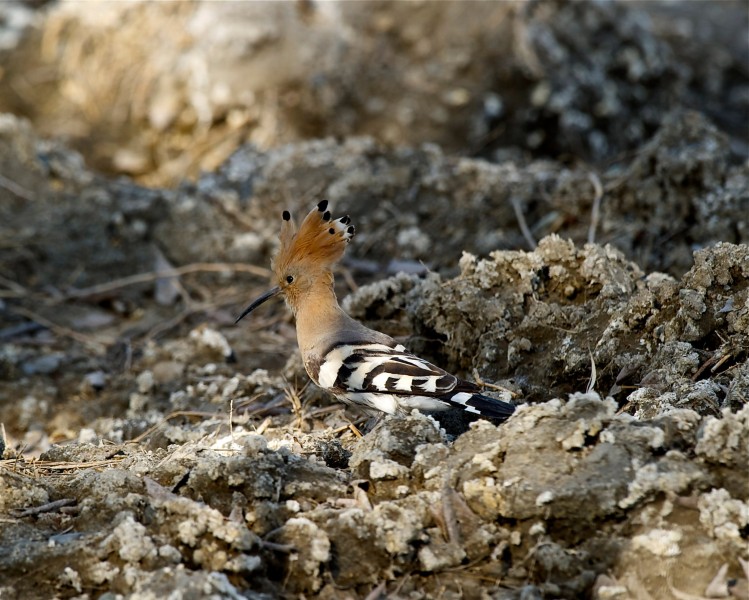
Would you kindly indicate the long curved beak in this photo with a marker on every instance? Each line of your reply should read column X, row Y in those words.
column 266, row 296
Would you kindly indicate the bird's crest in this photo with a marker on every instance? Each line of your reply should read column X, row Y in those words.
column 320, row 241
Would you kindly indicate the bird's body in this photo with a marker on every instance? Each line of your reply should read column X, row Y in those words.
column 358, row 365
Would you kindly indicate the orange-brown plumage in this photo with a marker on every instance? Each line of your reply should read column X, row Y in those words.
column 302, row 269
column 318, row 244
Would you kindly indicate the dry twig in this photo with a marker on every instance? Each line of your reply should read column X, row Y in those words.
column 492, row 386
column 593, row 375
column 14, row 289
column 92, row 343
column 379, row 592
column 155, row 275
column 14, row 188
column 595, row 213
column 177, row 413
column 524, row 229
column 296, row 404
column 48, row 507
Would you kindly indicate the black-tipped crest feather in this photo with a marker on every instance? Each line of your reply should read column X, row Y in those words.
column 315, row 244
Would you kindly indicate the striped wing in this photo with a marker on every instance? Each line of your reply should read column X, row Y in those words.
column 384, row 378
column 380, row 369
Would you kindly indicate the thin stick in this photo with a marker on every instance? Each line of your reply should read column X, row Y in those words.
column 323, row 410
column 296, row 404
column 593, row 375
column 349, row 426
column 263, row 426
column 231, row 419
column 164, row 326
column 48, row 507
column 18, row 464
column 595, row 212
column 153, row 275
column 14, row 188
column 59, row 329
column 190, row 310
column 492, row 386
column 4, row 438
column 521, row 222
column 285, row 548
column 178, row 413
column 348, row 278
column 377, row 592
column 14, row 286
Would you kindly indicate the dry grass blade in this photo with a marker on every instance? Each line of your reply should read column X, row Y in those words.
column 349, row 279
column 524, row 229
column 284, row 548
column 296, row 405
column 593, row 376
column 718, row 587
column 677, row 593
column 379, row 592
column 355, row 430
column 231, row 419
column 41, row 468
column 178, row 413
column 276, row 405
column 189, row 311
column 267, row 422
column 352, row 427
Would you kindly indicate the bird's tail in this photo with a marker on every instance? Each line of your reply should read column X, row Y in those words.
column 491, row 408
column 483, row 406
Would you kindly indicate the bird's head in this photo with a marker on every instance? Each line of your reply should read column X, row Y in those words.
column 306, row 256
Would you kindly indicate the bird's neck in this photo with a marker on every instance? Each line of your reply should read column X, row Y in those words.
column 317, row 317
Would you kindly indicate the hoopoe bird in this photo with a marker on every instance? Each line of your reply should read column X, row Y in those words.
column 360, row 366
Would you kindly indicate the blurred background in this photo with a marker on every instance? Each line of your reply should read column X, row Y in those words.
column 163, row 90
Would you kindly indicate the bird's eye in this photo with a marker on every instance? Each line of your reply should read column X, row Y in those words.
column 289, row 279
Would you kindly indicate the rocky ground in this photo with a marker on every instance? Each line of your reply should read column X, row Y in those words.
column 551, row 199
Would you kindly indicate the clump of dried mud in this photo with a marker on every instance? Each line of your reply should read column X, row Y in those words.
column 151, row 445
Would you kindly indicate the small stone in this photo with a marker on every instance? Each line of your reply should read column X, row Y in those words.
column 436, row 557
column 167, row 371
column 87, row 436
column 457, row 97
column 145, row 382
column 43, row 365
column 96, row 380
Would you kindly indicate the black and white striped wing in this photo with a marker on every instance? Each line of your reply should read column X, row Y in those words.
column 380, row 369
column 391, row 380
